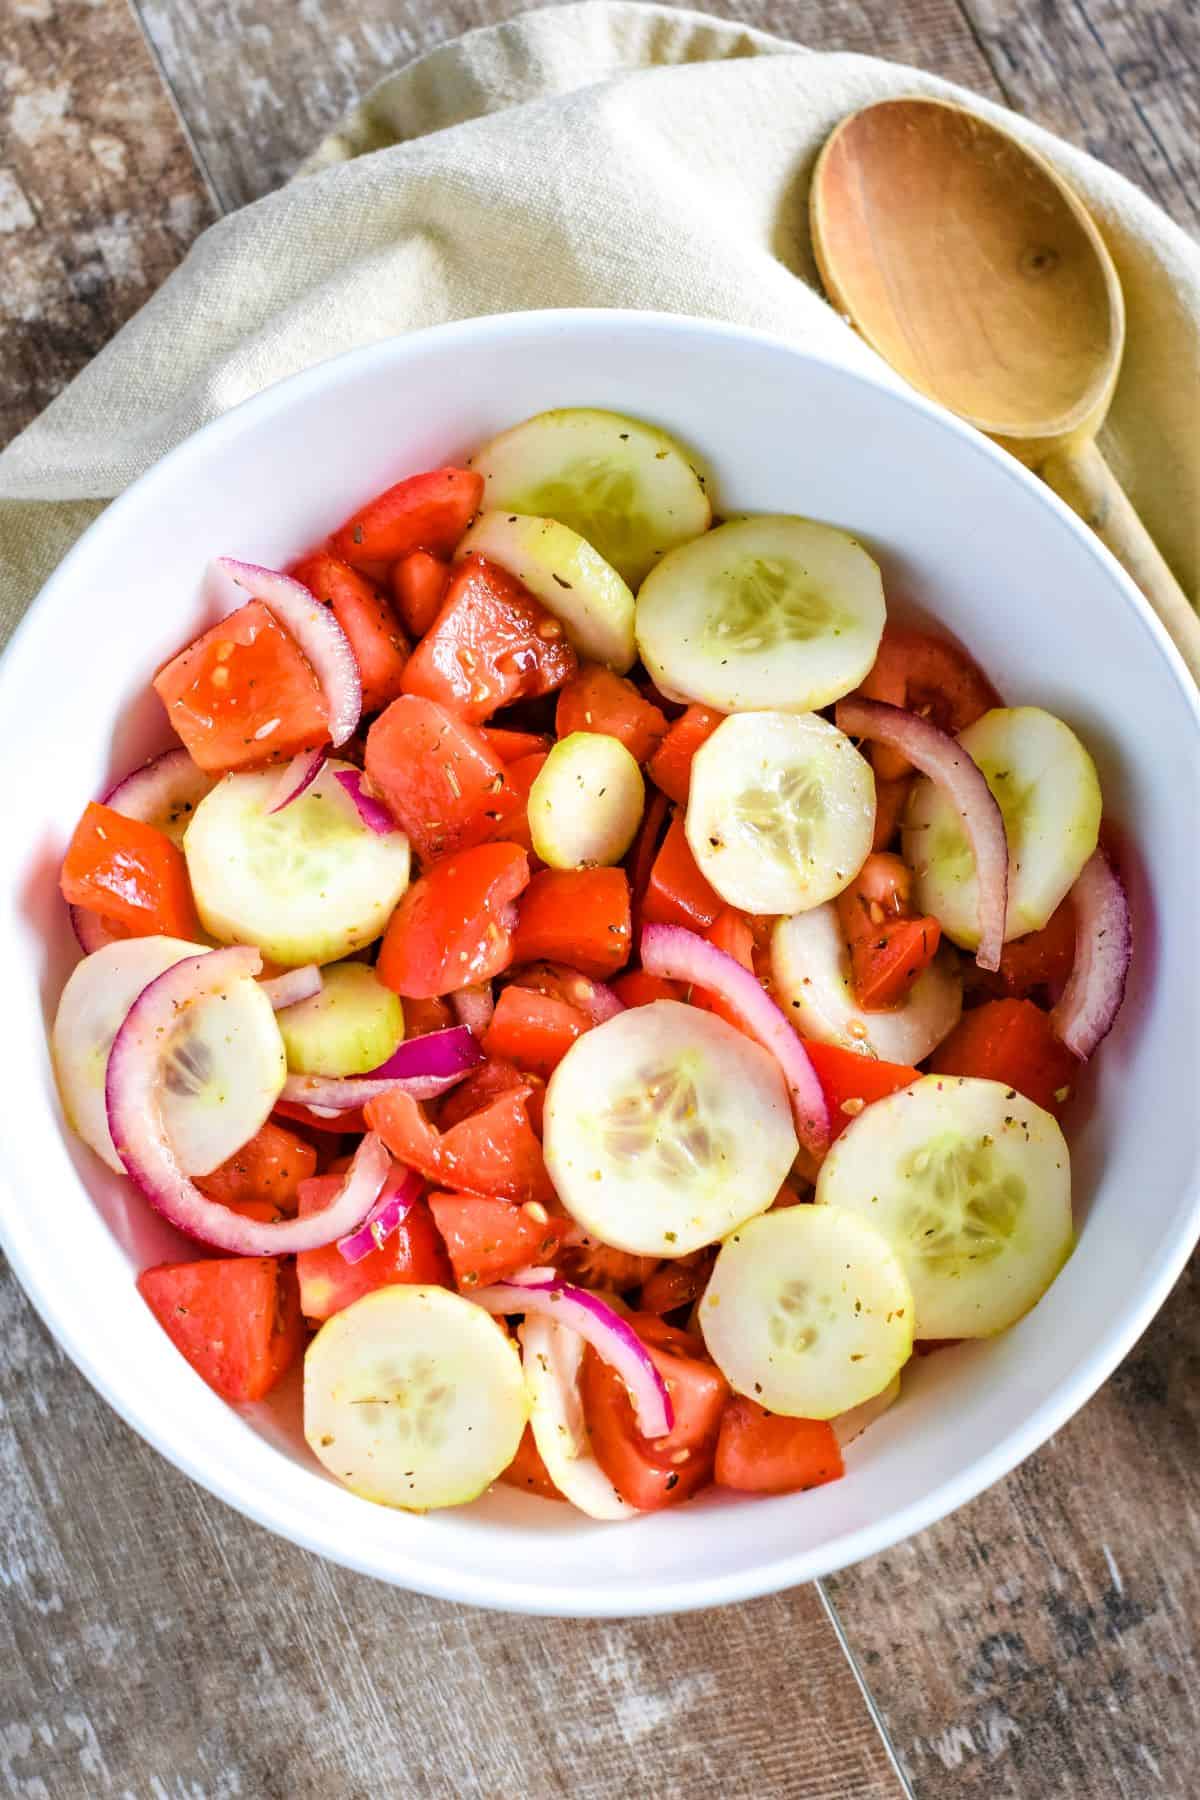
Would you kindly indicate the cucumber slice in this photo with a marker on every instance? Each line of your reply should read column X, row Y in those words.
column 569, row 578
column 971, row 1185
column 625, row 487
column 309, row 884
column 1048, row 790
column 552, row 1355
column 586, row 802
column 665, row 1128
column 349, row 1028
column 810, row 967
column 809, row 1311
column 413, row 1397
column 225, row 1066
column 781, row 810
column 766, row 612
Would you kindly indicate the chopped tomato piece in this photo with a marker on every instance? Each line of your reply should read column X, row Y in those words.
column 351, row 1122
column 576, row 916
column 380, row 647
column 1010, row 1041
column 891, row 797
column 589, row 997
column 488, row 1240
column 528, row 1471
column 243, row 694
column 888, row 946
column 412, row 1254
column 269, row 1168
column 453, row 927
column 129, row 873
column 421, row 1016
column 535, row 1031
column 1037, row 965
column 491, row 643
column 651, row 1474
column 851, row 1081
column 520, row 776
column 597, row 700
column 927, row 675
column 419, row 584
column 678, row 1283
column 493, row 1151
column 440, row 781
column 639, row 989
column 730, row 931
column 759, row 1452
column 677, row 893
column 515, row 746
column 425, row 512
column 236, row 1319
column 671, row 765
column 591, row 1264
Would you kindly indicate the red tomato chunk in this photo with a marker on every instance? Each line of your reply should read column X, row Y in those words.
column 576, row 916
column 243, row 694
column 491, row 643
column 424, row 512
column 129, row 873
column 236, row 1319
column 489, row 1239
column 759, row 1452
column 453, row 927
column 597, row 700
column 413, row 1254
column 268, row 1169
column 439, row 779
column 651, row 1474
column 493, row 1151
column 380, row 647
column 1010, row 1041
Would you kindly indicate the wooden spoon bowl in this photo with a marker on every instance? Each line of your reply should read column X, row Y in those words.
column 964, row 260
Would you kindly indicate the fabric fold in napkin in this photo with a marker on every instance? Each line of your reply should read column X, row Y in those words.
column 590, row 155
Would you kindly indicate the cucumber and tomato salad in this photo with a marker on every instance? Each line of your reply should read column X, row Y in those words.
column 603, row 988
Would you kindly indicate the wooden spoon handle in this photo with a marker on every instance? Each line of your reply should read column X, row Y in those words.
column 1081, row 477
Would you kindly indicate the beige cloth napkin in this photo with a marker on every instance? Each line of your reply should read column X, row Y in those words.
column 592, row 155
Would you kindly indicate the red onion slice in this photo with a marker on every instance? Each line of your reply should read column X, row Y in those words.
column 615, row 1342
column 133, row 1095
column 161, row 789
column 1095, row 988
column 315, row 629
column 401, row 1189
column 297, row 775
column 474, row 1006
column 424, row 1067
column 373, row 813
column 92, row 932
column 594, row 998
column 329, row 1094
column 680, row 955
column 293, row 986
column 936, row 754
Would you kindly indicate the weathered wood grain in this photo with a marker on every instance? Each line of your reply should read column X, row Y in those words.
column 1121, row 80
column 155, row 1644
column 99, row 192
column 260, row 86
column 1045, row 1641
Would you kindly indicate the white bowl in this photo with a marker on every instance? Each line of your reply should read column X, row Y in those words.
column 960, row 528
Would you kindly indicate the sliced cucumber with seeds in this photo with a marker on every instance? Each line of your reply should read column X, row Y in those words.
column 665, row 1128
column 781, row 810
column 586, row 802
column 625, row 487
column 810, row 967
column 308, row 884
column 224, row 1067
column 762, row 613
column 570, row 579
column 1048, row 790
column 349, row 1028
column 808, row 1311
column 971, row 1185
column 414, row 1397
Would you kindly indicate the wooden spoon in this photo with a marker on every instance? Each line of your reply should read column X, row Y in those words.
column 961, row 257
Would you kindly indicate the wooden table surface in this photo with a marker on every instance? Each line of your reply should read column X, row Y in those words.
column 1042, row 1642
